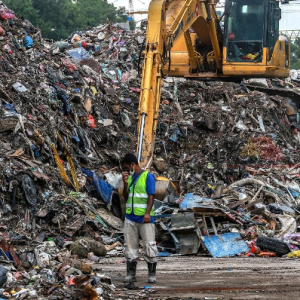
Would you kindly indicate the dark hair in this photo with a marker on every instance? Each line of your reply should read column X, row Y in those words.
column 129, row 158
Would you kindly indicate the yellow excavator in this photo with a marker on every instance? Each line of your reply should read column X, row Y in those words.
column 185, row 38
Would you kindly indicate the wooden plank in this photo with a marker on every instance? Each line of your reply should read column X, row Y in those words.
column 213, row 225
column 214, row 214
column 206, row 209
column 215, row 229
column 251, row 204
column 205, row 224
column 182, row 228
column 199, row 234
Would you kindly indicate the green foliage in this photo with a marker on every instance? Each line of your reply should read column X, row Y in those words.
column 132, row 25
column 295, row 55
column 57, row 19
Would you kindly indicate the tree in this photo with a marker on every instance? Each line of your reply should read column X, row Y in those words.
column 57, row 19
column 295, row 54
column 132, row 25
column 24, row 8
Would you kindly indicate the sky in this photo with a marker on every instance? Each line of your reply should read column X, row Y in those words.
column 290, row 12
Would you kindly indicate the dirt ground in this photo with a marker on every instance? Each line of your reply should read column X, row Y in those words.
column 193, row 277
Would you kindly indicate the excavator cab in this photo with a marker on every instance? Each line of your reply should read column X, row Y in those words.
column 245, row 31
column 252, row 46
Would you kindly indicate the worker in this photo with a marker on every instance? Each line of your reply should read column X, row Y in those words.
column 139, row 190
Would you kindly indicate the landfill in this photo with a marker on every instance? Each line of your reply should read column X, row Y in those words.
column 68, row 113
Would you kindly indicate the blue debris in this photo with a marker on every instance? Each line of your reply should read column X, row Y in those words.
column 64, row 99
column 104, row 189
column 163, row 254
column 36, row 151
column 294, row 194
column 27, row 42
column 231, row 244
column 11, row 108
column 190, row 201
column 76, row 138
column 176, row 134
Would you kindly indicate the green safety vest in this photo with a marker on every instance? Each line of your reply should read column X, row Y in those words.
column 137, row 196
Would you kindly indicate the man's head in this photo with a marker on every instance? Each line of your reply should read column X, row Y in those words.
column 130, row 163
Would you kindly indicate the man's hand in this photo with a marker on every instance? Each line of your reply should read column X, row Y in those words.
column 125, row 176
column 147, row 218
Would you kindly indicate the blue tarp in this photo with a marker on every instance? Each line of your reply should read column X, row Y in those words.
column 104, row 189
column 190, row 200
column 230, row 245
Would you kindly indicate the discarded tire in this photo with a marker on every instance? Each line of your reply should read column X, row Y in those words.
column 266, row 243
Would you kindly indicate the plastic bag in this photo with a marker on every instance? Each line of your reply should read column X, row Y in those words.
column 27, row 42
column 5, row 15
column 259, row 82
column 294, row 254
column 125, row 119
column 294, row 74
column 19, row 87
column 91, row 121
column 79, row 53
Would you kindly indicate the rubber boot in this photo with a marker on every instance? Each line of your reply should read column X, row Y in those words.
column 131, row 271
column 152, row 272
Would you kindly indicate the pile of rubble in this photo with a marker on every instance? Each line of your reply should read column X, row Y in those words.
column 68, row 114
column 234, row 154
column 61, row 117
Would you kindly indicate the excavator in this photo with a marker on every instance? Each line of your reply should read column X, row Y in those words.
column 184, row 38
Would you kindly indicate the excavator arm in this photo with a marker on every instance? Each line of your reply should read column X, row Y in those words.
column 151, row 81
column 163, row 31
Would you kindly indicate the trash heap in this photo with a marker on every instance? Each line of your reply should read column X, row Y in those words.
column 67, row 115
column 234, row 154
column 62, row 117
column 217, row 129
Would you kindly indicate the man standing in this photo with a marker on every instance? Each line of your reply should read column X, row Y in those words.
column 139, row 190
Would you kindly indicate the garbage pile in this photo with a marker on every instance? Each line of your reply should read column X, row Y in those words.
column 219, row 128
column 235, row 156
column 295, row 74
column 67, row 115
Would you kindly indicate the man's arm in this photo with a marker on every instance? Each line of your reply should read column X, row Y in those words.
column 150, row 203
column 150, row 187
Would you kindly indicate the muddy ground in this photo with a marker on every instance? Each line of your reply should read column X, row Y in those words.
column 208, row 278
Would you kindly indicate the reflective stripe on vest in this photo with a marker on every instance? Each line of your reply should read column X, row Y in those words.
column 136, row 205
column 137, row 196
